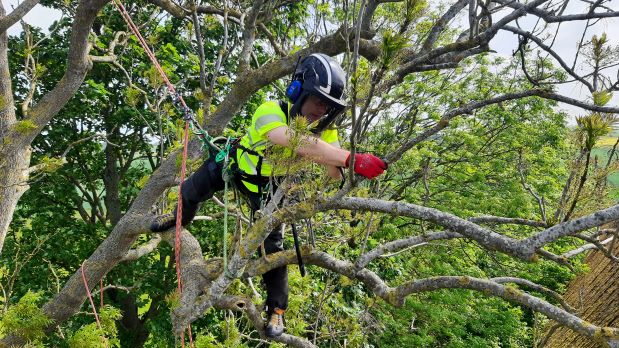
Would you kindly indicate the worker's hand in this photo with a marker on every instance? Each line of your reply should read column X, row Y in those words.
column 368, row 165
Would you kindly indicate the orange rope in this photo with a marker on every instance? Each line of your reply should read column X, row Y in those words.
column 92, row 303
column 177, row 242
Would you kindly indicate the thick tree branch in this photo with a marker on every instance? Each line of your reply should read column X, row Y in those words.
column 22, row 9
column 78, row 65
column 489, row 219
column 249, row 35
column 606, row 334
column 536, row 287
column 563, row 229
column 396, row 296
column 441, row 24
column 485, row 237
column 143, row 249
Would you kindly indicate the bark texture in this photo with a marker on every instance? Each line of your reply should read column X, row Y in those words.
column 14, row 160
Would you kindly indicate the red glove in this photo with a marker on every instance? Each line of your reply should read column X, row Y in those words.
column 368, row 165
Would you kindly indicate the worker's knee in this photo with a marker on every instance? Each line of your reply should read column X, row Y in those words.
column 274, row 243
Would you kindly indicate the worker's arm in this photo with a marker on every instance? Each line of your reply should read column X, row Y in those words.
column 316, row 149
column 322, row 152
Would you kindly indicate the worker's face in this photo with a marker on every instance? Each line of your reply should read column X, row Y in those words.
column 314, row 108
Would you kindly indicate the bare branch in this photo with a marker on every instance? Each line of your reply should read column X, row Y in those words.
column 440, row 25
column 22, row 9
column 78, row 65
column 271, row 39
column 523, row 182
column 548, row 49
column 485, row 237
column 143, row 249
column 489, row 219
column 172, row 8
column 550, row 18
column 249, row 35
column 536, row 287
column 511, row 294
column 371, row 255
column 563, row 229
column 582, row 249
column 468, row 108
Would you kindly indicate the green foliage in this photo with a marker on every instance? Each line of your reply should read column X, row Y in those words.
column 133, row 96
column 173, row 299
column 25, row 319
column 602, row 98
column 25, row 126
column 594, row 126
column 231, row 337
column 472, row 167
column 392, row 44
column 91, row 336
column 454, row 318
column 50, row 165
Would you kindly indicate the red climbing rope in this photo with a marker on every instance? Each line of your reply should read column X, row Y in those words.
column 179, row 99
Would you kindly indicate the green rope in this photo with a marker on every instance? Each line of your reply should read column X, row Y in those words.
column 205, row 138
column 225, row 226
column 224, row 155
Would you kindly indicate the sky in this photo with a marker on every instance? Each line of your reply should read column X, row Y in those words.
column 504, row 43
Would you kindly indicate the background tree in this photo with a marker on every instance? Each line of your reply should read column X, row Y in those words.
column 468, row 143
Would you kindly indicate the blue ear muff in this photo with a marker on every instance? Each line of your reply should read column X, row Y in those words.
column 294, row 90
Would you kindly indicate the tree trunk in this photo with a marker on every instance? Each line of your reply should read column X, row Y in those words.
column 111, row 180
column 596, row 297
column 134, row 329
column 16, row 137
column 13, row 183
column 14, row 159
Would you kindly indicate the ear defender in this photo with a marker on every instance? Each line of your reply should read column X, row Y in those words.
column 294, row 90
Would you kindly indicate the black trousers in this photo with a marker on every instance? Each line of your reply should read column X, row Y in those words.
column 201, row 186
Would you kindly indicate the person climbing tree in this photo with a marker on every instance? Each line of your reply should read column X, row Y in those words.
column 316, row 92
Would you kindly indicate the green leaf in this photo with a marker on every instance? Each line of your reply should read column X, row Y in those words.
column 602, row 98
column 25, row 126
column 25, row 319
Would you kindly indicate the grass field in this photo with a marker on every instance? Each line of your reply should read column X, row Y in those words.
column 601, row 151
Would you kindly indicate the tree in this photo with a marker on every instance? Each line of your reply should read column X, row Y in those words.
column 389, row 48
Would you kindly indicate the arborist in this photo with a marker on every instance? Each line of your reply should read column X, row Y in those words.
column 315, row 92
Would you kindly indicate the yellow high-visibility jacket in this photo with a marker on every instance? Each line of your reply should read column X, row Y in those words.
column 267, row 117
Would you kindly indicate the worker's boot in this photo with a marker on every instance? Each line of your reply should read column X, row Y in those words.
column 163, row 222
column 275, row 325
